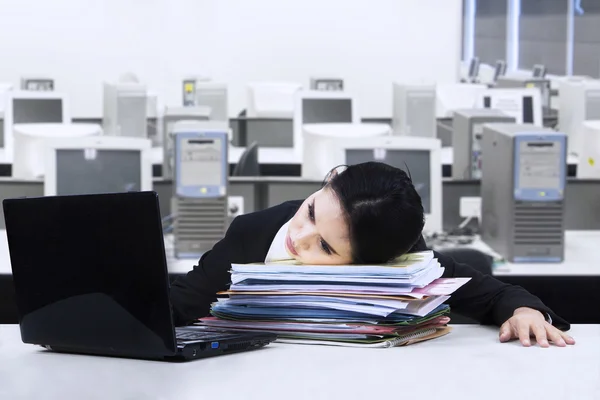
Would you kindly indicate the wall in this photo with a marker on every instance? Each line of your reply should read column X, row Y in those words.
column 369, row 44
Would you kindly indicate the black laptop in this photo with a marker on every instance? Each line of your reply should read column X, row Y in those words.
column 90, row 277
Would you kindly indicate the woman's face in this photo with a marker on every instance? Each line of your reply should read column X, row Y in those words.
column 318, row 234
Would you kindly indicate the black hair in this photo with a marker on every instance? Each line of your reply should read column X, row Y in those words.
column 382, row 208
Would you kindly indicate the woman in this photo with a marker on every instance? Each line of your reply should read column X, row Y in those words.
column 369, row 213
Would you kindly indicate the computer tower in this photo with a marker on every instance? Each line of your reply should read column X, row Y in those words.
column 125, row 110
column 414, row 111
column 467, row 132
column 523, row 192
column 199, row 203
column 516, row 81
column 171, row 116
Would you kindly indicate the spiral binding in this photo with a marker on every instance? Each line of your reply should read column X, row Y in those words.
column 410, row 336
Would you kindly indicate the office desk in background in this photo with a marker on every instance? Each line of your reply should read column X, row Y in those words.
column 571, row 289
column 469, row 363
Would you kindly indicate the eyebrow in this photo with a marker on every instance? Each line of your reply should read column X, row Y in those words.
column 323, row 239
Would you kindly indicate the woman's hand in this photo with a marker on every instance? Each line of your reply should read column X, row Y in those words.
column 526, row 323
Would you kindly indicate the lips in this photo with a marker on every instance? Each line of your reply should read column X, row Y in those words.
column 289, row 245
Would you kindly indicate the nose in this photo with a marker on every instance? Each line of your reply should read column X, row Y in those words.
column 304, row 236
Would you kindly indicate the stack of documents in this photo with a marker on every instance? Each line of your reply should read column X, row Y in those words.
column 355, row 305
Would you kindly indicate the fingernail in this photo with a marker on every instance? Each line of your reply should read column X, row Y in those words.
column 561, row 343
column 526, row 343
column 545, row 343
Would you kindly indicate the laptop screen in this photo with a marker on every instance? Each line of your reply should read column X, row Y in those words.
column 90, row 272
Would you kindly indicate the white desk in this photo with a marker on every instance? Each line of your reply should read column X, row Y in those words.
column 582, row 258
column 469, row 363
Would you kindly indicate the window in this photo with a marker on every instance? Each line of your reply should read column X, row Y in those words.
column 586, row 38
column 490, row 30
column 543, row 35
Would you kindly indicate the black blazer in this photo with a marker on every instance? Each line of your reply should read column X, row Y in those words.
column 249, row 238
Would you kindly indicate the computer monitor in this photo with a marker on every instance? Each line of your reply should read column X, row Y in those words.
column 579, row 101
column 125, row 109
column 414, row 110
column 271, row 99
column 419, row 156
column 97, row 164
column 327, row 84
column 538, row 71
column 320, row 107
column 28, row 107
column 213, row 95
column 589, row 159
column 474, row 68
column 456, row 96
column 525, row 105
column 500, row 69
column 37, row 84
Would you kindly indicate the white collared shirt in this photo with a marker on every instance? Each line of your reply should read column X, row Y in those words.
column 277, row 251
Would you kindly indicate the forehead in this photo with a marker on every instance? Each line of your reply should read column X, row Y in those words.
column 331, row 222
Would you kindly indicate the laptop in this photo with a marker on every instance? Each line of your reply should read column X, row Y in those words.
column 90, row 276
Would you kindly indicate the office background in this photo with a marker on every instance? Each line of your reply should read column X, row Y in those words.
column 80, row 44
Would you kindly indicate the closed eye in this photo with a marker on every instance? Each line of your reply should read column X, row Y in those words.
column 325, row 247
column 311, row 215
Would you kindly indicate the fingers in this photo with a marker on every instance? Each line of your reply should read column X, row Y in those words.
column 506, row 332
column 568, row 339
column 540, row 335
column 555, row 335
column 524, row 332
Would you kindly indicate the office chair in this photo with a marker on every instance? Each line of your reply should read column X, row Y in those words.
column 248, row 163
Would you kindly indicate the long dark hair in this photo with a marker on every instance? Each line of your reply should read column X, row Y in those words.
column 382, row 208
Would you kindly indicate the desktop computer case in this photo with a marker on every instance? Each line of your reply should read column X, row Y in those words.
column 466, row 143
column 520, row 231
column 199, row 224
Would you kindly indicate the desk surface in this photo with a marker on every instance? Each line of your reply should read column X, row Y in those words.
column 469, row 363
column 582, row 258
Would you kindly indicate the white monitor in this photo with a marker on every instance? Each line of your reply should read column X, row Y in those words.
column 499, row 69
column 322, row 107
column 422, row 156
column 271, row 99
column 37, row 84
column 97, row 164
column 4, row 89
column 414, row 110
column 213, row 95
column 327, row 83
column 579, row 101
column 456, row 96
column 538, row 71
column 28, row 107
column 589, row 159
column 30, row 141
column 486, row 74
column 125, row 109
column 474, row 68
column 525, row 105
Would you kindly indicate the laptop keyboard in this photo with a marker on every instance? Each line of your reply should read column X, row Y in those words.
column 189, row 335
